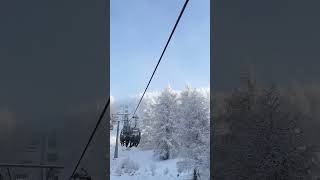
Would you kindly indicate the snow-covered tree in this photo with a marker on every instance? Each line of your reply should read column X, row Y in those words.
column 147, row 120
column 266, row 141
column 194, row 132
column 165, row 141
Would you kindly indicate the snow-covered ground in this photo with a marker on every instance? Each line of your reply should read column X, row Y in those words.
column 141, row 164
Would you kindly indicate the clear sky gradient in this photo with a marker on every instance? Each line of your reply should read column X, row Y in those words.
column 139, row 31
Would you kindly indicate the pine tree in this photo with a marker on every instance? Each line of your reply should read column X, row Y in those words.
column 147, row 120
column 195, row 128
column 166, row 145
column 265, row 143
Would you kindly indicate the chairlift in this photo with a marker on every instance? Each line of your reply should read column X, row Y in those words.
column 135, row 137
column 125, row 137
column 130, row 136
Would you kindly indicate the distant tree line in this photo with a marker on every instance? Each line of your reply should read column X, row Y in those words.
column 265, row 134
column 177, row 124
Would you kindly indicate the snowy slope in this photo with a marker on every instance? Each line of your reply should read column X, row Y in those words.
column 147, row 167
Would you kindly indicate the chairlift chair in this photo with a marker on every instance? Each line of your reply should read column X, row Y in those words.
column 130, row 136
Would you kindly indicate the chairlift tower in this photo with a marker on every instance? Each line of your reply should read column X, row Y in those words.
column 129, row 136
column 125, row 126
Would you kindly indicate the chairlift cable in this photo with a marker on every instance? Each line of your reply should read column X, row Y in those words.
column 107, row 104
column 91, row 137
column 131, row 136
column 173, row 30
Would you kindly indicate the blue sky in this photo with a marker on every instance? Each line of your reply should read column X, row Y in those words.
column 139, row 31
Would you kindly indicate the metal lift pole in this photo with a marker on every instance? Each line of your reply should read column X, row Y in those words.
column 116, row 148
column 126, row 124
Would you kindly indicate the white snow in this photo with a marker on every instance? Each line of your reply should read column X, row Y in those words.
column 149, row 167
column 178, row 123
